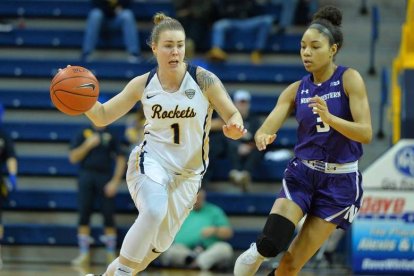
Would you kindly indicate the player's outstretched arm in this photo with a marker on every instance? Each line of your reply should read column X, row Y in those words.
column 266, row 134
column 217, row 94
column 119, row 105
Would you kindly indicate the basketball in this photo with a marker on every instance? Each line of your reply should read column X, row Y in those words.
column 74, row 90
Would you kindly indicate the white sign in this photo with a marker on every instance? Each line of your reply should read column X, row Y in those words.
column 394, row 170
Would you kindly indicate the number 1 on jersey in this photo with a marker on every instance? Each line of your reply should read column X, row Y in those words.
column 176, row 129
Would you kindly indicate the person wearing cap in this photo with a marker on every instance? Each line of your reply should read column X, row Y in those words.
column 242, row 153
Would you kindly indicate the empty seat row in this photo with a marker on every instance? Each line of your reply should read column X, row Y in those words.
column 40, row 99
column 65, row 200
column 230, row 72
column 64, row 38
column 63, row 132
column 143, row 10
column 266, row 170
column 66, row 235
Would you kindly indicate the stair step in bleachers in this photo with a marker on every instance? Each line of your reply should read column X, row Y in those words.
column 144, row 10
column 64, row 132
column 228, row 72
column 266, row 170
column 40, row 99
column 255, row 204
column 50, row 131
column 65, row 235
column 62, row 38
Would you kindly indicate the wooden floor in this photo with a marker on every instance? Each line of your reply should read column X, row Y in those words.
column 37, row 269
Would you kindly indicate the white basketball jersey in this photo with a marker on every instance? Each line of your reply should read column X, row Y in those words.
column 178, row 124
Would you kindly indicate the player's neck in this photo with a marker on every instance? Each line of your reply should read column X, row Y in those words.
column 171, row 80
column 324, row 74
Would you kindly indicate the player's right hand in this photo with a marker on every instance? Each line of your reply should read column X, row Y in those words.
column 263, row 139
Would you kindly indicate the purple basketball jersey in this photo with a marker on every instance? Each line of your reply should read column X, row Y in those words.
column 316, row 140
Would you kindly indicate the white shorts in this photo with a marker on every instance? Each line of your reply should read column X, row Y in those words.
column 181, row 191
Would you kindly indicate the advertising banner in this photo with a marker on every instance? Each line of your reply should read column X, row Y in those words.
column 383, row 231
column 383, row 234
column 394, row 170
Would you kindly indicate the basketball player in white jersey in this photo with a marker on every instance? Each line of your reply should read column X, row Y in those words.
column 165, row 171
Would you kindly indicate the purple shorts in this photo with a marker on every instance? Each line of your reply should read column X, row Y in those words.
column 333, row 197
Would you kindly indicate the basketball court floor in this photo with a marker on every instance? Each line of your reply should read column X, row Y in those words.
column 38, row 269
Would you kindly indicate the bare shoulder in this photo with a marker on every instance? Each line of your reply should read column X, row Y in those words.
column 351, row 75
column 353, row 82
column 206, row 79
column 291, row 90
column 138, row 83
column 140, row 80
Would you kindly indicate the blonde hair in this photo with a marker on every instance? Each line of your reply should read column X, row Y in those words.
column 162, row 23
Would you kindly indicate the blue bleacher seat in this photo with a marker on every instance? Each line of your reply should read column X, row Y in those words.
column 69, row 38
column 66, row 235
column 40, row 99
column 143, row 10
column 237, row 41
column 49, row 131
column 232, row 72
column 60, row 166
column 64, row 200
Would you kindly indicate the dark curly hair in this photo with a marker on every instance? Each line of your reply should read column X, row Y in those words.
column 331, row 18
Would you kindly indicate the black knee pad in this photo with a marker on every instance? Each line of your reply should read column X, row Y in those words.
column 276, row 236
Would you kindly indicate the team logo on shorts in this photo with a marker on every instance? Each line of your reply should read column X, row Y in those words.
column 404, row 160
column 190, row 93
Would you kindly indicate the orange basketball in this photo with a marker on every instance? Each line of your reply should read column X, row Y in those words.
column 74, row 90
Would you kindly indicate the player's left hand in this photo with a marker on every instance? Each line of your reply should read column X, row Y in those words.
column 12, row 183
column 234, row 131
column 320, row 107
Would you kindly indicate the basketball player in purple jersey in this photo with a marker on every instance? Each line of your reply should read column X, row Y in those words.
column 322, row 180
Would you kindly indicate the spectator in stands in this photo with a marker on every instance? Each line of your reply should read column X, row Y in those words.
column 202, row 240
column 250, row 17
column 110, row 15
column 240, row 15
column 196, row 18
column 286, row 17
column 164, row 174
column 242, row 153
column 134, row 129
column 8, row 160
column 322, row 180
column 101, row 168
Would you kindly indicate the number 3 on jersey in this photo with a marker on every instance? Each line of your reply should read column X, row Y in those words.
column 176, row 129
column 320, row 126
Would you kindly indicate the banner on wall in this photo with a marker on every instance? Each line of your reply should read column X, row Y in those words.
column 383, row 231
column 394, row 170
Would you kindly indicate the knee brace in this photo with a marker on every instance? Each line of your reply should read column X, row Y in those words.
column 276, row 236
